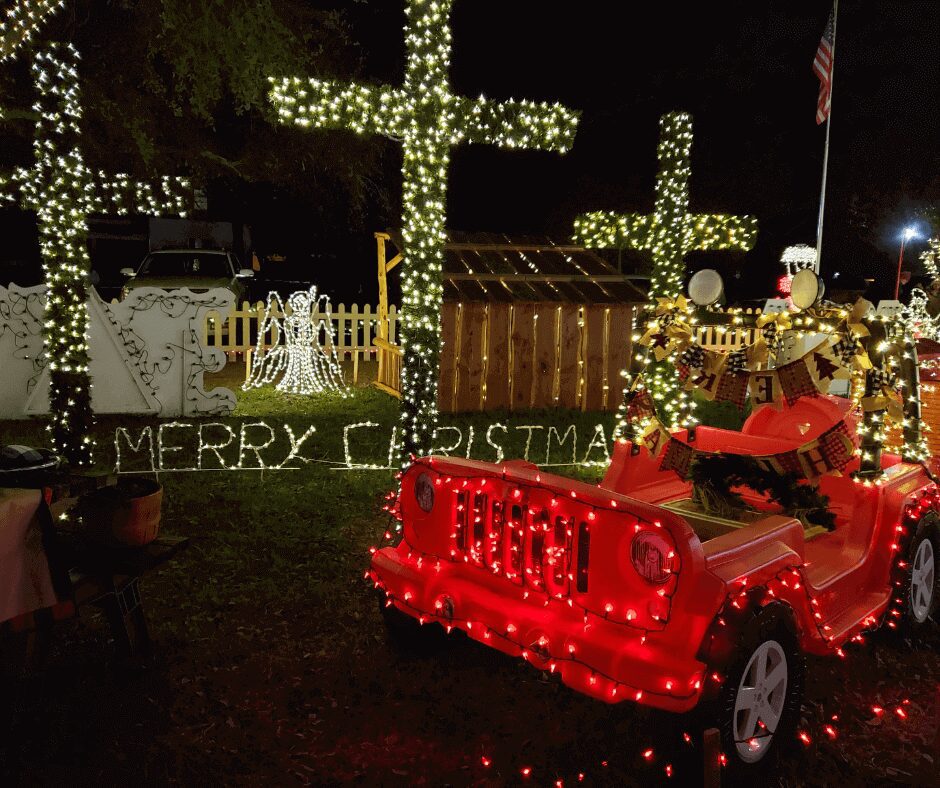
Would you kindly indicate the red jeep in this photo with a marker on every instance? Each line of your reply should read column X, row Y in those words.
column 628, row 593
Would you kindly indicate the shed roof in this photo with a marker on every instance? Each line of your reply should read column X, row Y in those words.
column 494, row 267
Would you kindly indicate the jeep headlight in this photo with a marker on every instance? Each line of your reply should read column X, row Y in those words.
column 424, row 492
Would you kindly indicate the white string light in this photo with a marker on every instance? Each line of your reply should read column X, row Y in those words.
column 304, row 365
column 798, row 257
column 251, row 446
column 21, row 21
column 63, row 192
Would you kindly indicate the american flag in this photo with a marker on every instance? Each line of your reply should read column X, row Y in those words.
column 822, row 67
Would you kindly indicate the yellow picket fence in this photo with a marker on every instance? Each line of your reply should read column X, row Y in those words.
column 355, row 328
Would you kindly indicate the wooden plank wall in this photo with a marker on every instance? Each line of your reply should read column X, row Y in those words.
column 500, row 355
column 930, row 412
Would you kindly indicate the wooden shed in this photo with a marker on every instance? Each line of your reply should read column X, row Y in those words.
column 525, row 323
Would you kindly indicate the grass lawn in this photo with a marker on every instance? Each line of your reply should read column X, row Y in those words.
column 272, row 664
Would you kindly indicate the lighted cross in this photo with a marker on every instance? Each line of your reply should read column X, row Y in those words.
column 670, row 232
column 428, row 120
column 63, row 192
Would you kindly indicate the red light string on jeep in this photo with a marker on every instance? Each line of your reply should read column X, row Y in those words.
column 533, row 583
column 788, row 586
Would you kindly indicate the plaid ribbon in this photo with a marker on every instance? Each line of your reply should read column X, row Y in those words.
column 667, row 319
column 847, row 348
column 737, row 362
column 677, row 457
column 693, row 357
column 795, row 381
column 732, row 388
column 880, row 379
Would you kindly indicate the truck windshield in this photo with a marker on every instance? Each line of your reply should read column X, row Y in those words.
column 202, row 264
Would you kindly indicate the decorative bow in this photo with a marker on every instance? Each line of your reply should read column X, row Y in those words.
column 884, row 395
column 669, row 329
column 849, row 351
column 855, row 317
column 772, row 323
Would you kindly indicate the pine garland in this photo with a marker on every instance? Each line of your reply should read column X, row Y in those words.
column 713, row 476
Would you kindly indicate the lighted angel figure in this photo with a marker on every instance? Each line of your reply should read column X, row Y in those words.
column 304, row 350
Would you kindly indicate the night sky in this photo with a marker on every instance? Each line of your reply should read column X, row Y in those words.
column 744, row 70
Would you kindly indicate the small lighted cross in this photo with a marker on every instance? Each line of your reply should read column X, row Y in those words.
column 670, row 232
column 428, row 120
column 63, row 192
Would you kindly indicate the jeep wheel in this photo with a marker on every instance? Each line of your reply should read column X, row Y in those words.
column 921, row 585
column 759, row 705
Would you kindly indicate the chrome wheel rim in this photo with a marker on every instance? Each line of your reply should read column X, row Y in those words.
column 922, row 581
column 760, row 700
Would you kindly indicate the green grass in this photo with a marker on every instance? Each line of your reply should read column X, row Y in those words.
column 272, row 666
column 292, row 535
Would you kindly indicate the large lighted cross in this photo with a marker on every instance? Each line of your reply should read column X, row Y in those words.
column 63, row 192
column 428, row 120
column 669, row 233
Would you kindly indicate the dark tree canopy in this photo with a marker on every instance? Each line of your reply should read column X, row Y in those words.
column 180, row 87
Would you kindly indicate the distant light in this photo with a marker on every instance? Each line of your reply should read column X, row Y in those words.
column 910, row 232
column 784, row 284
column 798, row 257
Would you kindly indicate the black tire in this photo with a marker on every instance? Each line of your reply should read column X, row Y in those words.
column 406, row 634
column 766, row 639
column 920, row 589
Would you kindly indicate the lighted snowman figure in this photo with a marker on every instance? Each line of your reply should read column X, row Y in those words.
column 299, row 357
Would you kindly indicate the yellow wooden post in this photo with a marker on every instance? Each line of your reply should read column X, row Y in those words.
column 382, row 327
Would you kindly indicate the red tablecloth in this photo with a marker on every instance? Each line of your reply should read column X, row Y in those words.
column 25, row 580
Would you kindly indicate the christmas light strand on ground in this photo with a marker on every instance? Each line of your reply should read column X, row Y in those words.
column 595, row 454
column 21, row 21
column 669, row 233
column 157, row 447
column 305, row 363
column 63, row 191
column 428, row 120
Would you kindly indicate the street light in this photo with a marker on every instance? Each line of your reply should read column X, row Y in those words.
column 908, row 234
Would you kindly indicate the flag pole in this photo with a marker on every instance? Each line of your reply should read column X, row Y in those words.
column 822, row 195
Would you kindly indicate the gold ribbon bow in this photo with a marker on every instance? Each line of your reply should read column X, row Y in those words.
column 676, row 335
column 855, row 317
column 782, row 319
column 886, row 398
